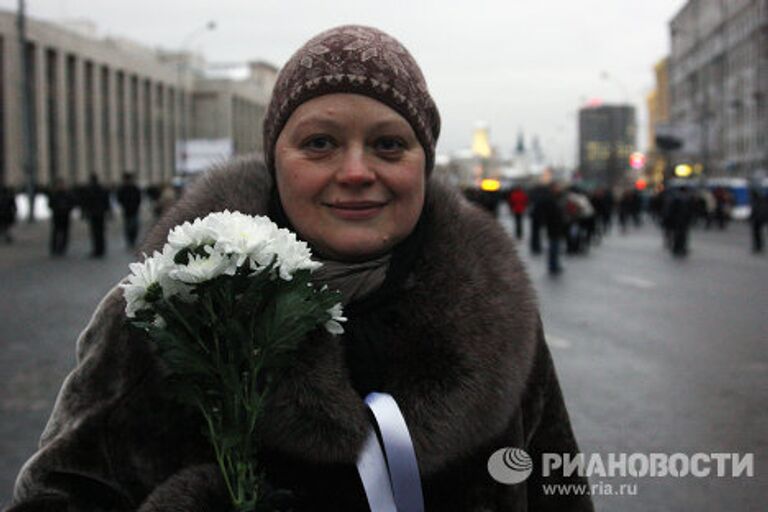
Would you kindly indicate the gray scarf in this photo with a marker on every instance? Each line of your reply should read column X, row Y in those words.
column 355, row 281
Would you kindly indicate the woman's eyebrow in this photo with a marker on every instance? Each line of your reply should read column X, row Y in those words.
column 390, row 124
column 315, row 121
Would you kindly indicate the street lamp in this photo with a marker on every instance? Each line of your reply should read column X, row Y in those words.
column 181, row 66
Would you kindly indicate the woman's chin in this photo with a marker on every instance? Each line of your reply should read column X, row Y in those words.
column 354, row 248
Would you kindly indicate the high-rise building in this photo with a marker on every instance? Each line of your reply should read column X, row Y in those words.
column 658, row 114
column 607, row 136
column 719, row 84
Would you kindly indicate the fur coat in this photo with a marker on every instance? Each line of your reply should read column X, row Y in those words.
column 469, row 368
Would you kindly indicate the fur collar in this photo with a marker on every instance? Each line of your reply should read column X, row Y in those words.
column 466, row 326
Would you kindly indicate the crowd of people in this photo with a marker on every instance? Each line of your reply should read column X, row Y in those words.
column 575, row 219
column 95, row 204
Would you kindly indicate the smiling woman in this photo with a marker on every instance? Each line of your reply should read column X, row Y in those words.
column 350, row 174
column 440, row 314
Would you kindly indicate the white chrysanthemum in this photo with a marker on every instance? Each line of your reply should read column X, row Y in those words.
column 333, row 325
column 204, row 268
column 152, row 271
column 292, row 254
column 242, row 236
column 192, row 235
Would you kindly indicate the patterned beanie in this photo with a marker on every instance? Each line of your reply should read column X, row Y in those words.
column 359, row 60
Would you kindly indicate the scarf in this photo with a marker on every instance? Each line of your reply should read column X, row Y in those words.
column 355, row 281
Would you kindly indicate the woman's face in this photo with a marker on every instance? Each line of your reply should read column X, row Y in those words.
column 350, row 173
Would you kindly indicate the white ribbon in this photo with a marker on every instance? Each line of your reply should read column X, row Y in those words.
column 391, row 479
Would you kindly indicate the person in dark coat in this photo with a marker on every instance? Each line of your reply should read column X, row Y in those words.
column 129, row 199
column 553, row 215
column 7, row 212
column 758, row 217
column 441, row 316
column 678, row 220
column 61, row 201
column 518, row 204
column 537, row 222
column 723, row 203
column 96, row 206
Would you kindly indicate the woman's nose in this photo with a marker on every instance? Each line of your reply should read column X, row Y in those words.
column 355, row 168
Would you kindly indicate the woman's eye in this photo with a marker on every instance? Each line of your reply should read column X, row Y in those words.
column 389, row 144
column 319, row 143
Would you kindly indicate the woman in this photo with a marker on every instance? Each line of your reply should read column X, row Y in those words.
column 441, row 316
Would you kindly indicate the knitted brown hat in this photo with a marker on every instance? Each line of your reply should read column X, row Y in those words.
column 359, row 60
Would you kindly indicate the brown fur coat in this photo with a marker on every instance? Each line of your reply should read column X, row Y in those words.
column 469, row 369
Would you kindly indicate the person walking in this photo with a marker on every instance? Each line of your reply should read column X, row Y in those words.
column 553, row 216
column 678, row 220
column 518, row 203
column 60, row 202
column 129, row 199
column 96, row 206
column 7, row 212
column 537, row 221
column 758, row 217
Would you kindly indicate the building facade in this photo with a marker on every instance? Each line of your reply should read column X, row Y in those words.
column 607, row 137
column 719, row 84
column 658, row 105
column 105, row 106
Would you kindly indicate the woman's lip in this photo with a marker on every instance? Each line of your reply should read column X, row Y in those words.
column 358, row 210
column 356, row 205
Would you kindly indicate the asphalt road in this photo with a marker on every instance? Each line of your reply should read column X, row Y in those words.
column 662, row 355
column 654, row 354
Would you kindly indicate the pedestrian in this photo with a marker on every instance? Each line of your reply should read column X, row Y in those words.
column 129, row 199
column 518, row 203
column 678, row 220
column 553, row 216
column 758, row 217
column 441, row 316
column 7, row 212
column 626, row 205
column 605, row 209
column 723, row 204
column 96, row 207
column 537, row 222
column 61, row 202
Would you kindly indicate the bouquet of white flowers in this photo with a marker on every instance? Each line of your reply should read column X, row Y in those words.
column 226, row 303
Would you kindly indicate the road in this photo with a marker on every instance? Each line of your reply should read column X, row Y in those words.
column 654, row 354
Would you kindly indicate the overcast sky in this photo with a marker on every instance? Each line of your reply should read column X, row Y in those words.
column 513, row 64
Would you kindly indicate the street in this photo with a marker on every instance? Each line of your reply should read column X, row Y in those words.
column 654, row 354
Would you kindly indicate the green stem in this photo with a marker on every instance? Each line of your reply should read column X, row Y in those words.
column 189, row 329
column 220, row 458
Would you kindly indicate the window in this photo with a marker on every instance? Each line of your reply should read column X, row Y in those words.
column 106, row 132
column 52, row 121
column 3, row 171
column 160, row 135
column 71, row 97
column 90, row 143
column 121, row 154
column 135, row 127
column 148, row 142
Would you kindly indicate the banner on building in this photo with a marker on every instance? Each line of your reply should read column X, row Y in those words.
column 197, row 155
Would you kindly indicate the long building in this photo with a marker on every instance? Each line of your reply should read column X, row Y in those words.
column 719, row 84
column 105, row 106
column 607, row 137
